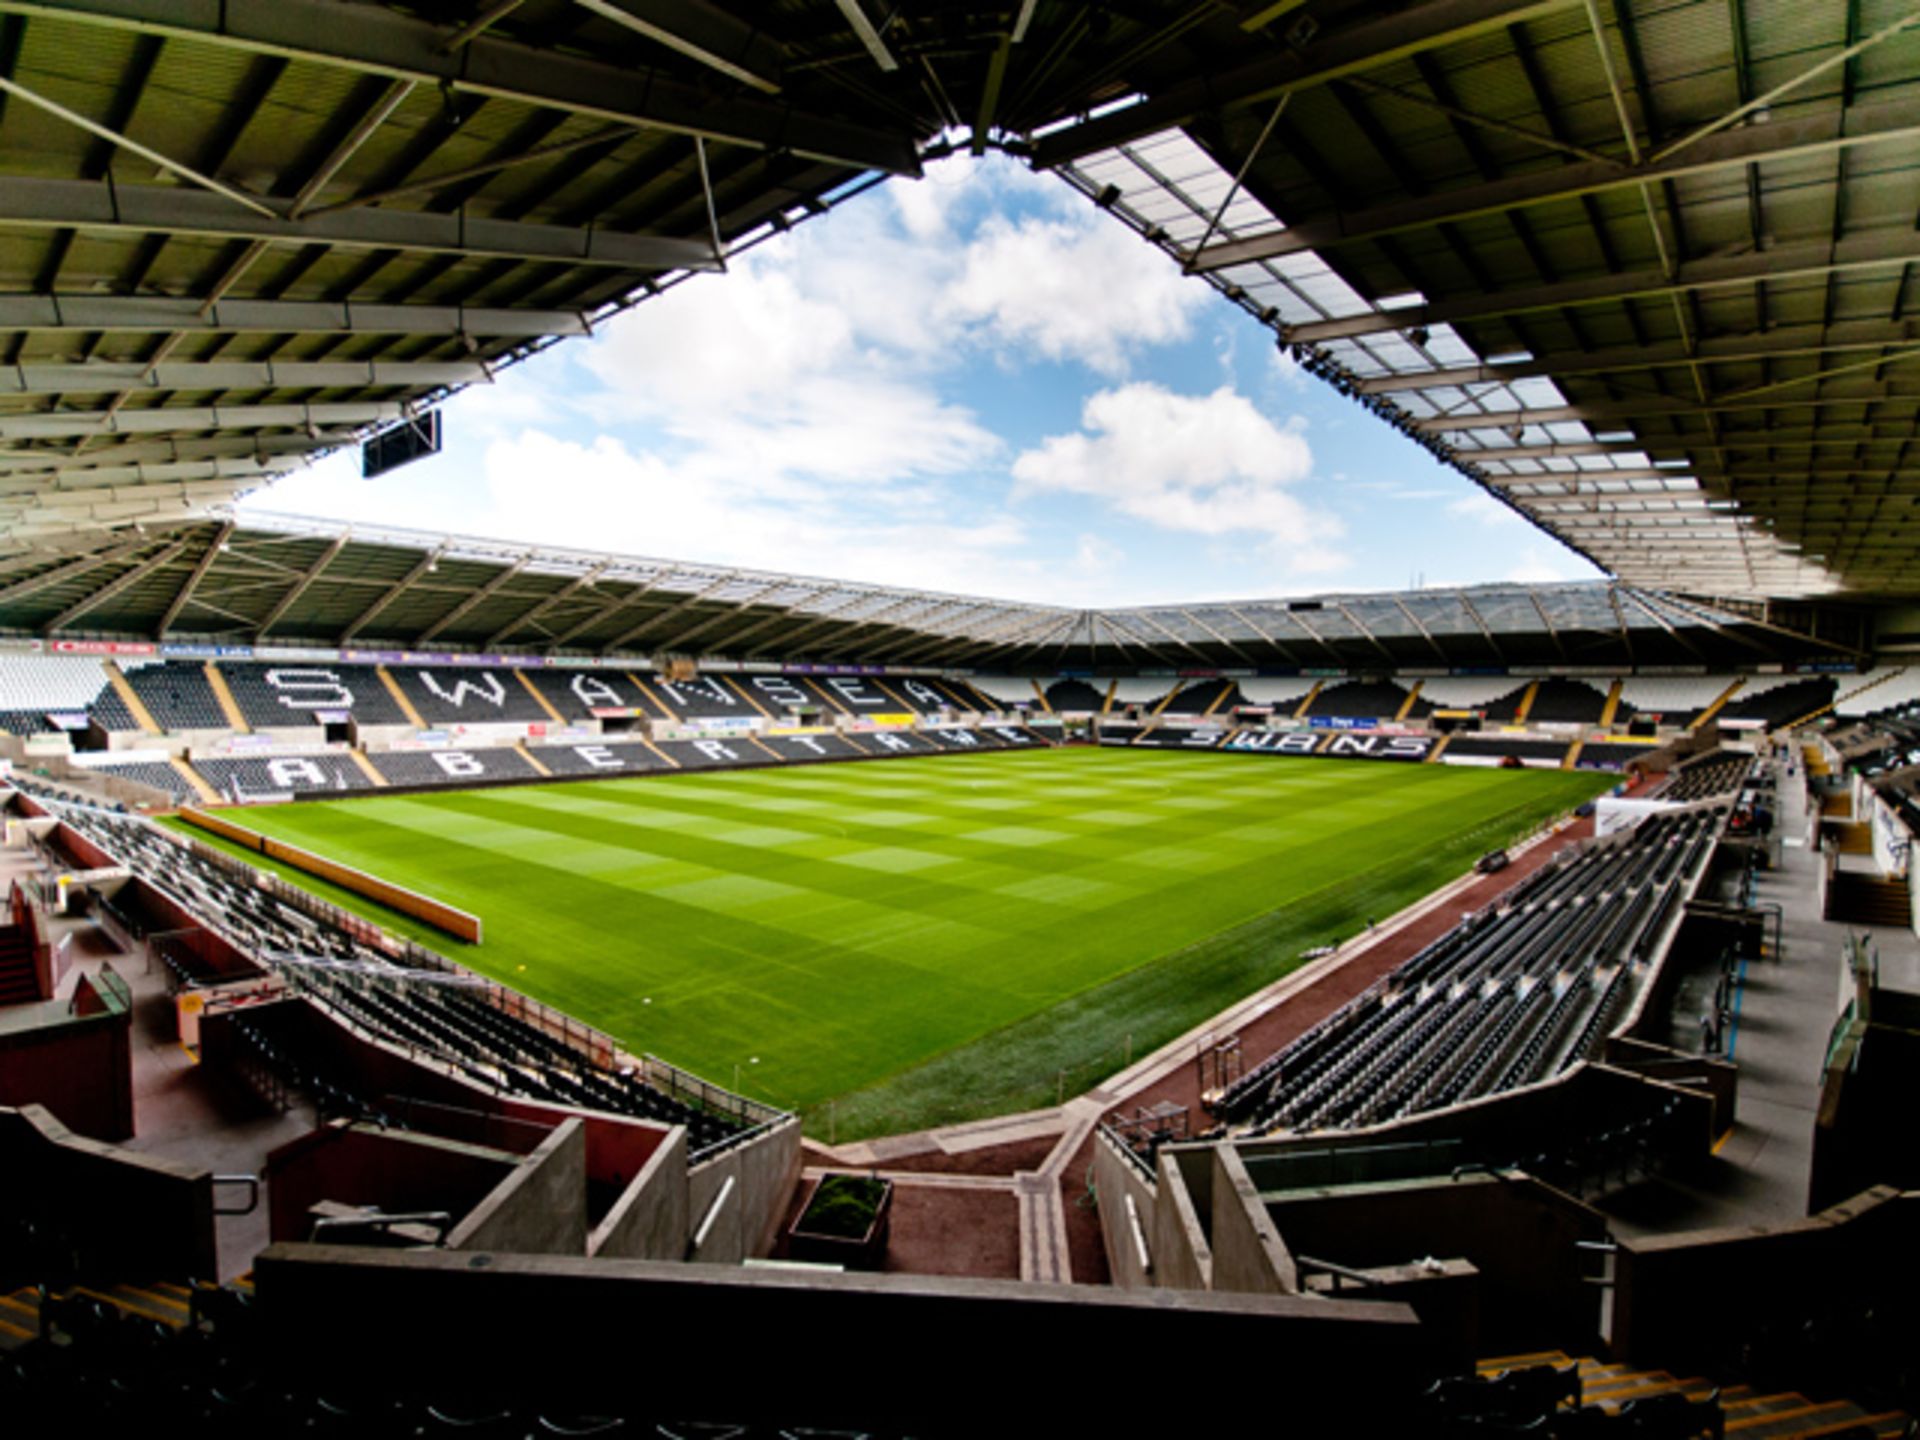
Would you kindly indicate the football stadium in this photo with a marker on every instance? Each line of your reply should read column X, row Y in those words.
column 455, row 985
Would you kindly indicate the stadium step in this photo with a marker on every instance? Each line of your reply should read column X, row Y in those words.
column 1525, row 707
column 366, row 768
column 525, row 754
column 1868, row 900
column 1113, row 689
column 1835, row 703
column 223, row 696
column 747, row 695
column 1305, row 705
column 1854, row 839
column 1406, row 706
column 1040, row 694
column 1717, row 706
column 646, row 693
column 1612, row 706
column 130, row 697
column 186, row 772
column 400, row 697
column 1777, row 1415
column 544, row 703
column 1571, row 761
column 1437, row 751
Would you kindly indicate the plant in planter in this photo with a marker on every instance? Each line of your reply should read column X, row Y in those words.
column 845, row 1222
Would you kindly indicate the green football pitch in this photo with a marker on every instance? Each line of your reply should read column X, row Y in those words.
column 893, row 944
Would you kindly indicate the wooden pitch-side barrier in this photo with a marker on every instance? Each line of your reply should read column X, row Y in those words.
column 457, row 923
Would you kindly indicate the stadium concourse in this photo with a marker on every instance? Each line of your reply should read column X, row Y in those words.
column 1607, row 1134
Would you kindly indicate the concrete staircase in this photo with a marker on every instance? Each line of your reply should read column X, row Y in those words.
column 1857, row 899
column 1750, row 1414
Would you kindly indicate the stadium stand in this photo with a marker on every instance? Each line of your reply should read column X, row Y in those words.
column 1284, row 694
column 275, row 696
column 1888, row 687
column 1707, row 777
column 854, row 694
column 176, row 694
column 1117, row 732
column 467, row 695
column 1363, row 700
column 705, row 697
column 922, row 695
column 1144, row 692
column 34, row 686
column 1778, row 700
column 576, row 694
column 892, row 742
column 1205, row 697
column 1501, row 746
column 608, row 757
column 1567, row 702
column 802, row 748
column 1674, row 699
column 1462, row 692
column 149, row 772
column 281, row 774
column 1505, row 707
column 1501, row 1000
column 451, row 767
column 713, row 754
column 462, row 1022
column 1075, row 695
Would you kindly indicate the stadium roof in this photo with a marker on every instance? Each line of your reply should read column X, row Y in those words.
column 1643, row 268
column 302, row 583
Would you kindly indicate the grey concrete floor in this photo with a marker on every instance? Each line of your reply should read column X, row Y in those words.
column 179, row 1110
column 1786, row 1009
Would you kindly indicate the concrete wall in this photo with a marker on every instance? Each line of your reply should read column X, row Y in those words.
column 651, row 1220
column 1694, row 1300
column 391, row 1170
column 1519, row 1234
column 437, row 913
column 540, row 1208
column 1512, row 1127
column 1182, row 1254
column 1116, row 1181
column 1248, row 1254
column 764, row 1172
column 132, row 1216
column 80, row 1067
column 761, row 1347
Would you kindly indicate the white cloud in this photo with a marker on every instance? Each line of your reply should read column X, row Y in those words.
column 1207, row 465
column 1482, row 507
column 1072, row 289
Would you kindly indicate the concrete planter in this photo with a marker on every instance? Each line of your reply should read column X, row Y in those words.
column 810, row 1237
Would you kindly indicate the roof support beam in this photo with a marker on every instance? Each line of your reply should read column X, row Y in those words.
column 1780, row 343
column 427, row 562
column 701, row 32
column 479, row 597
column 110, row 377
column 52, row 463
column 1890, row 122
column 1873, row 249
column 71, row 570
column 117, row 208
column 381, row 41
column 134, row 147
column 856, row 15
column 215, row 544
column 52, row 487
column 299, row 586
column 1333, row 55
column 112, row 588
column 118, row 313
column 161, row 420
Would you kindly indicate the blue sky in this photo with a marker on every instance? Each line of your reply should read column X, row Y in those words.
column 976, row 383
